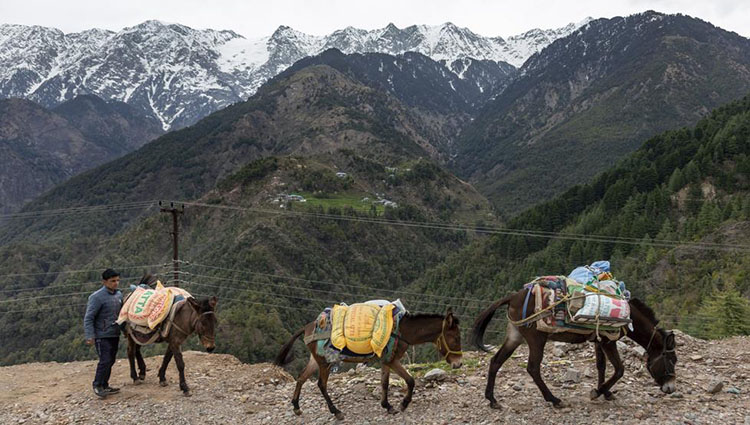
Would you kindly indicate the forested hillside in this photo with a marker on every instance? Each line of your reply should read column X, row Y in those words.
column 351, row 153
column 40, row 148
column 674, row 219
column 593, row 97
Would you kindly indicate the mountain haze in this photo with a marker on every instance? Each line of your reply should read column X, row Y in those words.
column 42, row 147
column 592, row 97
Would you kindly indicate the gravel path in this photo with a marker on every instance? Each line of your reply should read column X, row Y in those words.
column 226, row 391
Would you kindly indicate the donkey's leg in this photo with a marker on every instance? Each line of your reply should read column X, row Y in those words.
column 513, row 339
column 141, row 363
column 385, row 378
column 536, row 341
column 399, row 369
column 181, row 368
column 601, row 369
column 163, row 368
column 610, row 349
column 311, row 367
column 131, row 360
column 325, row 369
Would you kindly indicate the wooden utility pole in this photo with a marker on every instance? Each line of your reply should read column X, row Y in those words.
column 175, row 211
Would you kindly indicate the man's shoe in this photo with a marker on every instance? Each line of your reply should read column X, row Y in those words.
column 100, row 392
column 111, row 390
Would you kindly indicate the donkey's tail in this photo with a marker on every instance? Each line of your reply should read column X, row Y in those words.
column 286, row 354
column 480, row 325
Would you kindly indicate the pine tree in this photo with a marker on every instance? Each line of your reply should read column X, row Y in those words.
column 724, row 313
column 676, row 180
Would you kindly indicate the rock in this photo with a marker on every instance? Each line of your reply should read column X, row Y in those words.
column 715, row 387
column 639, row 351
column 696, row 357
column 557, row 352
column 562, row 346
column 676, row 395
column 436, row 375
column 733, row 390
column 517, row 387
column 572, row 375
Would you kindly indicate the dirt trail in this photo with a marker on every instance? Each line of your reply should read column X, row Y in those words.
column 227, row 391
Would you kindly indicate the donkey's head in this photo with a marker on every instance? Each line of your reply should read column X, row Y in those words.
column 659, row 345
column 662, row 360
column 449, row 341
column 205, row 323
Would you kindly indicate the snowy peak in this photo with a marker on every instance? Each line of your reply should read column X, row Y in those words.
column 179, row 74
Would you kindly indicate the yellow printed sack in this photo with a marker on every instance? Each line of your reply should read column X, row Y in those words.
column 123, row 316
column 338, row 316
column 381, row 331
column 358, row 325
column 160, row 305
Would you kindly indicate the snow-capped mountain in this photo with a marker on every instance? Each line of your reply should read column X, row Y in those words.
column 180, row 74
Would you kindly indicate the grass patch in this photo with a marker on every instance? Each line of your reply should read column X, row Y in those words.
column 341, row 200
column 420, row 369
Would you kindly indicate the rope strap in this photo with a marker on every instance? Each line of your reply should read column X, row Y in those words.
column 541, row 313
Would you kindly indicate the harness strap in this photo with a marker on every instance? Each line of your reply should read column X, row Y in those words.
column 541, row 313
column 441, row 342
column 526, row 302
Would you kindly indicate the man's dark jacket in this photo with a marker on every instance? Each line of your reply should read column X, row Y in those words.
column 101, row 312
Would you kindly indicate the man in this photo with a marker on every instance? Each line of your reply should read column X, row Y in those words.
column 101, row 330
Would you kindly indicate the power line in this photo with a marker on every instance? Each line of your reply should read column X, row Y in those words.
column 663, row 243
column 335, row 283
column 42, row 308
column 81, row 270
column 45, row 288
column 79, row 210
column 347, row 294
column 503, row 320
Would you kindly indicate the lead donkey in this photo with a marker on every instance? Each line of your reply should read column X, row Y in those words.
column 659, row 345
column 191, row 317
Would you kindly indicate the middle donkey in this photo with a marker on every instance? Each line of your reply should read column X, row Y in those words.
column 413, row 329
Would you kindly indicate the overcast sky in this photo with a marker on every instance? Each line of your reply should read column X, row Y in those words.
column 259, row 18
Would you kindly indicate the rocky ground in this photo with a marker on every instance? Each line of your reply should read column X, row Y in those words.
column 227, row 391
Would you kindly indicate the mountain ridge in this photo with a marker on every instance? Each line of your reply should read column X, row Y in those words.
column 179, row 74
column 592, row 97
column 43, row 147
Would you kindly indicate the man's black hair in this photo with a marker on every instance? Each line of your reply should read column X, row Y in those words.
column 109, row 274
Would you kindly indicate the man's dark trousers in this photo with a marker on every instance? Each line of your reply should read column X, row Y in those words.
column 106, row 348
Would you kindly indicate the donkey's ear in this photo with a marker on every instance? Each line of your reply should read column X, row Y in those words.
column 670, row 343
column 212, row 302
column 449, row 317
column 195, row 304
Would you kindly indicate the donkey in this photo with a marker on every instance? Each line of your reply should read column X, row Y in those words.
column 413, row 329
column 659, row 345
column 192, row 317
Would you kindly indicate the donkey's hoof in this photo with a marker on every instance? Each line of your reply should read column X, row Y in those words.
column 392, row 411
column 594, row 394
column 610, row 397
column 339, row 416
column 297, row 412
column 163, row 383
column 187, row 393
column 559, row 404
column 495, row 405
column 137, row 382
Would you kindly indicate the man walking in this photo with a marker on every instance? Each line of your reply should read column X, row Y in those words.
column 101, row 330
